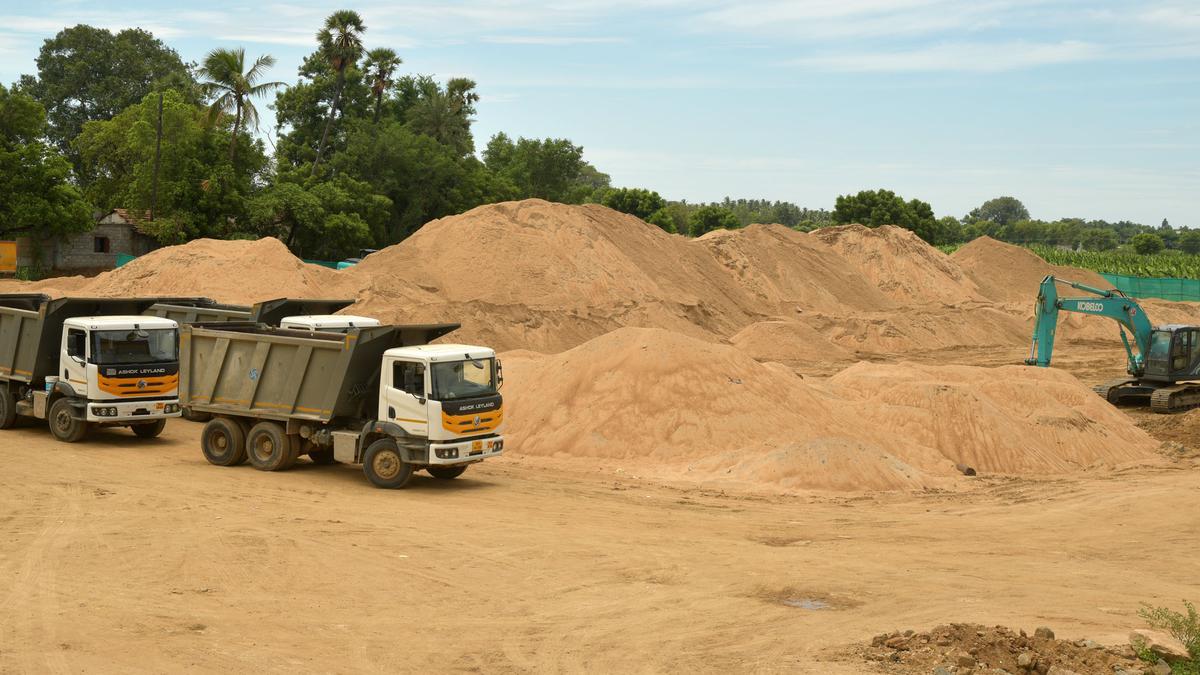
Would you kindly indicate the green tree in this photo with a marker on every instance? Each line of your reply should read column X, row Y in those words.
column 547, row 169
column 634, row 201
column 1100, row 239
column 381, row 64
column 36, row 197
column 1147, row 243
column 87, row 73
column 874, row 208
column 709, row 218
column 446, row 114
column 1189, row 242
column 663, row 219
column 301, row 112
column 234, row 87
column 1001, row 211
column 200, row 192
column 341, row 44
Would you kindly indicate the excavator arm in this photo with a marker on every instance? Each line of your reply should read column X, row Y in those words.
column 1112, row 304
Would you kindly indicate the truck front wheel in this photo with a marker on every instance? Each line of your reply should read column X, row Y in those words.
column 447, row 472
column 384, row 466
column 223, row 442
column 269, row 447
column 149, row 429
column 64, row 423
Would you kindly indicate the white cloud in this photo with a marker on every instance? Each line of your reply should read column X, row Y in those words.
column 550, row 40
column 958, row 57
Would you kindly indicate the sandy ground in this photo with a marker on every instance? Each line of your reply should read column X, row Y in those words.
column 138, row 556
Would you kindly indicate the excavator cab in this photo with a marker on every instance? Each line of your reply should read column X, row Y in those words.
column 1174, row 354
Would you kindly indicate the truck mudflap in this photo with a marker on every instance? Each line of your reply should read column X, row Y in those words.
column 465, row 452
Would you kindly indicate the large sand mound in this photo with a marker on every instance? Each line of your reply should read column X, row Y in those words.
column 685, row 408
column 547, row 276
column 789, row 271
column 240, row 272
column 1008, row 273
column 900, row 264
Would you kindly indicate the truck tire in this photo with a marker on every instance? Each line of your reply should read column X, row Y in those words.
column 384, row 466
column 268, row 447
column 447, row 472
column 65, row 426
column 8, row 408
column 319, row 455
column 223, row 442
column 295, row 443
column 149, row 429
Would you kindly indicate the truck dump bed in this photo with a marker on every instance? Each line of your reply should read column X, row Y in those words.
column 31, row 327
column 252, row 370
column 270, row 312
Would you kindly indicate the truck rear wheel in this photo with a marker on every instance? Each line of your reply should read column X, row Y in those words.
column 64, row 424
column 8, row 408
column 447, row 472
column 223, row 442
column 384, row 466
column 149, row 429
column 268, row 446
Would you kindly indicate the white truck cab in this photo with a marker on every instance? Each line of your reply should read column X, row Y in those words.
column 328, row 323
column 448, row 394
column 125, row 369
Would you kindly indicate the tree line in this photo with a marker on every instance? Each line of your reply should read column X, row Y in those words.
column 364, row 155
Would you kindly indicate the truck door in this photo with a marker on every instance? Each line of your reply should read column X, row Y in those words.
column 406, row 396
column 74, row 360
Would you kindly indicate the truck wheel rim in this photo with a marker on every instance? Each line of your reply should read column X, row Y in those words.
column 263, row 447
column 62, row 421
column 386, row 465
column 220, row 442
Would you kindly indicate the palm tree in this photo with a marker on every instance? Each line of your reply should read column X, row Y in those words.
column 234, row 87
column 341, row 43
column 380, row 65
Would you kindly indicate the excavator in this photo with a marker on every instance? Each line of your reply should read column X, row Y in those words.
column 1164, row 361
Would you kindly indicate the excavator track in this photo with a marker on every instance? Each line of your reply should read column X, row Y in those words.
column 1109, row 391
column 1176, row 398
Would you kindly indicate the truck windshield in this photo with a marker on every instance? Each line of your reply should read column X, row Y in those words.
column 464, row 379
column 1160, row 345
column 117, row 347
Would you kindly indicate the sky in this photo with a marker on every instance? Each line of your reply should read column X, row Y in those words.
column 1079, row 109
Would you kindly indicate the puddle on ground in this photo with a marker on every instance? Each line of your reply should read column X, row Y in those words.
column 806, row 603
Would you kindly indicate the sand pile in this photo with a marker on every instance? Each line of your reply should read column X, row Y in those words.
column 545, row 276
column 662, row 403
column 900, row 264
column 789, row 342
column 241, row 272
column 1008, row 273
column 789, row 271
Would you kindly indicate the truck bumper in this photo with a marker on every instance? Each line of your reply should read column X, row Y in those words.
column 464, row 452
column 131, row 412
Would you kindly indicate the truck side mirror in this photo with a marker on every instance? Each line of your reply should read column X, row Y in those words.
column 499, row 374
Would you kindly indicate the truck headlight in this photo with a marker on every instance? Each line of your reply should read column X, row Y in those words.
column 447, row 453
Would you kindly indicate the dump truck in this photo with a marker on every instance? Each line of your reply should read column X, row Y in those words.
column 270, row 312
column 380, row 396
column 328, row 323
column 81, row 363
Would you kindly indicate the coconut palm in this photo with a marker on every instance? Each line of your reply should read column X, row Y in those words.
column 341, row 43
column 381, row 63
column 234, row 87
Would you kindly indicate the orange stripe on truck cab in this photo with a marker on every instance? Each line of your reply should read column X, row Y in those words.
column 129, row 386
column 465, row 424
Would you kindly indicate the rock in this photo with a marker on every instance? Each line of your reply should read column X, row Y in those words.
column 965, row 470
column 1026, row 660
column 1161, row 668
column 909, row 633
column 1055, row 670
column 942, row 670
column 1043, row 633
column 896, row 642
column 1159, row 644
column 965, row 661
column 1090, row 644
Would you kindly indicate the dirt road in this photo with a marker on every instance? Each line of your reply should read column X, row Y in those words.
column 133, row 556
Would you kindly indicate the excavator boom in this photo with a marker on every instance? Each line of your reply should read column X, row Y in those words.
column 1112, row 304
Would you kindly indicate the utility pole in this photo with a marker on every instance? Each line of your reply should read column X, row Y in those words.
column 157, row 153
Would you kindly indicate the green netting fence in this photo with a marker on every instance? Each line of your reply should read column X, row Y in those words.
column 1156, row 287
